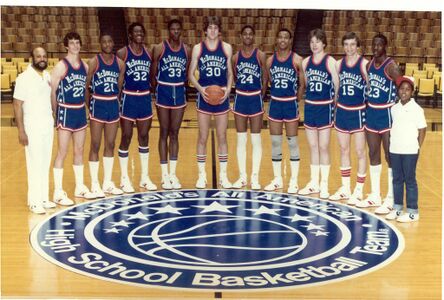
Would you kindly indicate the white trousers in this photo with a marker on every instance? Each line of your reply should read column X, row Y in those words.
column 38, row 160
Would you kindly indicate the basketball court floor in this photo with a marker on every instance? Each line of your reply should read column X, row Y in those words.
column 414, row 272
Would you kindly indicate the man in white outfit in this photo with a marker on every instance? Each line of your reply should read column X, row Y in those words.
column 33, row 115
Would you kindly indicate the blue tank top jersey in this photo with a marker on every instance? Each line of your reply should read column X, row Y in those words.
column 137, row 73
column 172, row 65
column 352, row 84
column 248, row 72
column 106, row 77
column 382, row 89
column 319, row 80
column 71, row 89
column 284, row 78
column 212, row 66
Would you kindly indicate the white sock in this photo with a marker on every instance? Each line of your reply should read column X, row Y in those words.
column 360, row 180
column 241, row 152
column 94, row 171
column 123, row 161
column 277, row 168
column 173, row 164
column 108, row 163
column 375, row 177
column 294, row 165
column 144, row 158
column 164, row 169
column 256, row 143
column 78, row 174
column 390, row 183
column 345, row 177
column 325, row 171
column 58, row 178
column 314, row 174
column 201, row 167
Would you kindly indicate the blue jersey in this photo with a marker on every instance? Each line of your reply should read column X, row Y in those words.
column 172, row 65
column 352, row 84
column 248, row 72
column 382, row 90
column 105, row 79
column 284, row 78
column 212, row 66
column 319, row 81
column 137, row 73
column 71, row 89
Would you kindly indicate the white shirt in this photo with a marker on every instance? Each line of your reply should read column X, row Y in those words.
column 407, row 120
column 35, row 91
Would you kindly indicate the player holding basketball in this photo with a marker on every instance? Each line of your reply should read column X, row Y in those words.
column 212, row 59
column 322, row 83
column 170, row 63
column 382, row 74
column 251, row 85
column 105, row 76
column 68, row 85
column 135, row 105
column 350, row 116
column 287, row 86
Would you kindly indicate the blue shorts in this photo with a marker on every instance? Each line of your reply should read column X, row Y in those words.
column 378, row 120
column 283, row 111
column 104, row 111
column 71, row 119
column 248, row 106
column 136, row 108
column 318, row 116
column 349, row 121
column 170, row 96
column 205, row 108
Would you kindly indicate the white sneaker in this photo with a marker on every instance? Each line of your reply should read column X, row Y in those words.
column 110, row 188
column 201, row 182
column 255, row 185
column 48, row 204
column 407, row 217
column 372, row 200
column 166, row 183
column 97, row 190
column 126, row 186
column 355, row 197
column 37, row 209
column 310, row 188
column 240, row 183
column 393, row 214
column 341, row 194
column 292, row 186
column 83, row 192
column 275, row 184
column 147, row 184
column 385, row 208
column 175, row 182
column 224, row 182
column 60, row 197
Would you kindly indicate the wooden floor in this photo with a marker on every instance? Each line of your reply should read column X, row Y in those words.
column 416, row 274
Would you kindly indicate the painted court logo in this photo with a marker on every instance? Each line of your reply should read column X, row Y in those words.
column 217, row 239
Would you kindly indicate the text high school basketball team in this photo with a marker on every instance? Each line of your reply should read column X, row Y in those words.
column 352, row 94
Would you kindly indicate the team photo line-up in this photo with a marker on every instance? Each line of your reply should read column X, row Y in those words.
column 355, row 96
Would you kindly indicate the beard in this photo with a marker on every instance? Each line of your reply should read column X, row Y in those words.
column 41, row 65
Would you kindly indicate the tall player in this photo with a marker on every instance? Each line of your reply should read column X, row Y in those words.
column 322, row 83
column 170, row 63
column 212, row 58
column 350, row 116
column 135, row 105
column 382, row 74
column 68, row 85
column 287, row 86
column 251, row 85
column 105, row 76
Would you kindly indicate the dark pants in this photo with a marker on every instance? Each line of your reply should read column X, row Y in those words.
column 404, row 172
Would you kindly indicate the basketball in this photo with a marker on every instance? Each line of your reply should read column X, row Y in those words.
column 215, row 94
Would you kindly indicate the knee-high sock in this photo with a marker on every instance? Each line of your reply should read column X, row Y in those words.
column 241, row 151
column 256, row 143
column 108, row 163
column 375, row 177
